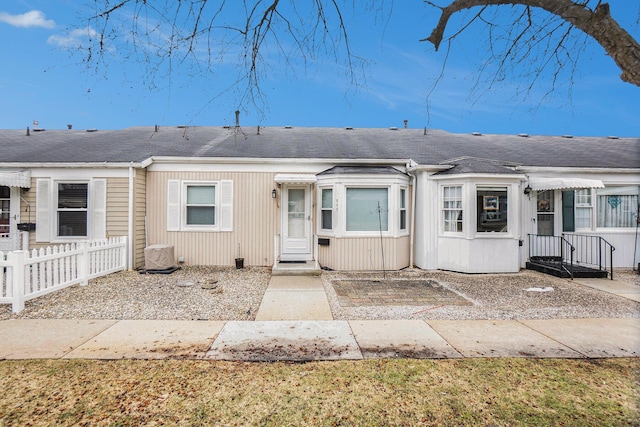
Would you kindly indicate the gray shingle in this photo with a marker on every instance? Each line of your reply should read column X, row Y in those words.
column 139, row 143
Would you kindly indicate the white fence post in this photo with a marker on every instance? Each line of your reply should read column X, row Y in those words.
column 83, row 264
column 18, row 261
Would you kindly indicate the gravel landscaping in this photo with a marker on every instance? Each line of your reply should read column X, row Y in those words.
column 209, row 293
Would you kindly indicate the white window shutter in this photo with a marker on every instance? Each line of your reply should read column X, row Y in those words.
column 43, row 210
column 99, row 214
column 226, row 205
column 173, row 205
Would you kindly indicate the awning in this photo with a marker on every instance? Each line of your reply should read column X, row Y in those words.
column 16, row 179
column 541, row 184
column 293, row 178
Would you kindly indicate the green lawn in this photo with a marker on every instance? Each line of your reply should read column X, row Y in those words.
column 489, row 392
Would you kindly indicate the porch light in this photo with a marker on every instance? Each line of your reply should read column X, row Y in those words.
column 274, row 193
column 527, row 190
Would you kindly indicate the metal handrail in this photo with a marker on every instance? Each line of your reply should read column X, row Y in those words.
column 552, row 248
column 593, row 250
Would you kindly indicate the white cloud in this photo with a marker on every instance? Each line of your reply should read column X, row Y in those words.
column 34, row 18
column 72, row 39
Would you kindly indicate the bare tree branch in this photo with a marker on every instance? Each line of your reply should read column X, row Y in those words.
column 599, row 24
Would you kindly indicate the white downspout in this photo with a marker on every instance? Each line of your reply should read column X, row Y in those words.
column 414, row 191
column 131, row 219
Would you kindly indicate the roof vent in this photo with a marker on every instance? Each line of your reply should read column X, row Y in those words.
column 567, row 136
column 226, row 127
column 69, row 126
column 349, row 128
column 523, row 135
column 38, row 129
column 181, row 126
column 92, row 130
column 393, row 128
column 476, row 134
column 288, row 127
column 610, row 137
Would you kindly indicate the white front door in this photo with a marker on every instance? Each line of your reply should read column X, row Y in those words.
column 296, row 233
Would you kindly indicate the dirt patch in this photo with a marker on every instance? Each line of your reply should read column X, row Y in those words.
column 395, row 292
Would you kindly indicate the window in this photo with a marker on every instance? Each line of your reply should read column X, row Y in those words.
column 72, row 209
column 452, row 208
column 583, row 208
column 403, row 209
column 617, row 207
column 5, row 209
column 367, row 209
column 201, row 205
column 492, row 209
column 327, row 209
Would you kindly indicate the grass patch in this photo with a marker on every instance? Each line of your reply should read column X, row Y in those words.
column 501, row 392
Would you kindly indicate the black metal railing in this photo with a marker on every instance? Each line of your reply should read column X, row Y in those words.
column 593, row 251
column 552, row 249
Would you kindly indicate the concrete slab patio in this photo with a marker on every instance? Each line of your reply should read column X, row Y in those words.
column 616, row 287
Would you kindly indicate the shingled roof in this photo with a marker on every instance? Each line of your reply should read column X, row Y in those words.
column 432, row 147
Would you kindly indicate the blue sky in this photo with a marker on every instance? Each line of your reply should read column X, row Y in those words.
column 42, row 78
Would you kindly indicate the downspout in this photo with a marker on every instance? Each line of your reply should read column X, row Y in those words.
column 414, row 191
column 131, row 219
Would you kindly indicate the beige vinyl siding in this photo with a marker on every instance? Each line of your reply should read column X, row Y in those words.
column 364, row 253
column 255, row 216
column 117, row 207
column 140, row 208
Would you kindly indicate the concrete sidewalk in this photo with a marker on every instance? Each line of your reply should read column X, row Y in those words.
column 294, row 322
column 301, row 340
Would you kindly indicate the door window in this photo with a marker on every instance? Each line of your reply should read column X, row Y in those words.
column 296, row 212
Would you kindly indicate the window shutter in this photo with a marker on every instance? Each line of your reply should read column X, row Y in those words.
column 99, row 213
column 568, row 215
column 173, row 205
column 43, row 210
column 226, row 205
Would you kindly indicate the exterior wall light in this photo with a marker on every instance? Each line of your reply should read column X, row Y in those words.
column 527, row 190
column 274, row 193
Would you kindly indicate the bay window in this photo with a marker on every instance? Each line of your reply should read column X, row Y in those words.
column 367, row 209
column 403, row 209
column 327, row 209
column 492, row 209
column 452, row 208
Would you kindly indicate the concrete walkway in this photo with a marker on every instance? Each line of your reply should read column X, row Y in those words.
column 302, row 330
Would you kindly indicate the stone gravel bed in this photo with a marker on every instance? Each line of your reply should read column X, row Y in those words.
column 494, row 296
column 236, row 295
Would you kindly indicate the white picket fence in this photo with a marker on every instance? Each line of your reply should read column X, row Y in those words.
column 26, row 275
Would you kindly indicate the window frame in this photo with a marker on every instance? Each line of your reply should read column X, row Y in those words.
column 403, row 216
column 324, row 209
column 56, row 210
column 184, row 206
column 610, row 191
column 587, row 206
column 445, row 210
column 385, row 209
column 487, row 206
